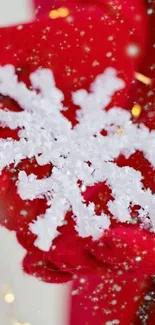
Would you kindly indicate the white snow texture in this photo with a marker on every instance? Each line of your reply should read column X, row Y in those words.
column 49, row 137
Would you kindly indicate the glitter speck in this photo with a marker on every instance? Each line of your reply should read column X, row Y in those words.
column 95, row 63
column 140, row 77
column 74, row 292
column 114, row 302
column 23, row 213
column 109, row 54
column 136, row 110
column 83, row 188
column 148, row 298
column 19, row 27
column 116, row 287
column 133, row 50
column 138, row 259
column 113, row 322
column 150, row 11
column 110, row 38
column 9, row 298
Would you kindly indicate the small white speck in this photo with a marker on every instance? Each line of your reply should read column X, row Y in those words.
column 19, row 27
column 150, row 93
column 113, row 322
column 120, row 272
column 150, row 11
column 23, row 213
column 82, row 33
column 136, row 298
column 148, row 298
column 133, row 50
column 117, row 287
column 114, row 302
column 109, row 54
column 95, row 63
column 83, row 188
column 69, row 19
column 74, row 292
column 110, row 38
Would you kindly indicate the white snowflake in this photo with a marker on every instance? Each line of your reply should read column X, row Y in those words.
column 79, row 153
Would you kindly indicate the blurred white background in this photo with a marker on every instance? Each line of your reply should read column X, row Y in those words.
column 15, row 11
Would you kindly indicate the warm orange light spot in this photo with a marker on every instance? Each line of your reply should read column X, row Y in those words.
column 62, row 12
column 136, row 110
column 140, row 77
column 54, row 14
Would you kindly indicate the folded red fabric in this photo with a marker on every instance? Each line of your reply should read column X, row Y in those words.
column 42, row 44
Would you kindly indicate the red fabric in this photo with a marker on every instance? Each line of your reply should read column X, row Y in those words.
column 62, row 46
column 43, row 43
column 105, row 299
column 127, row 310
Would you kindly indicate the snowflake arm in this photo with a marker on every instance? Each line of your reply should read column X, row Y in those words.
column 79, row 153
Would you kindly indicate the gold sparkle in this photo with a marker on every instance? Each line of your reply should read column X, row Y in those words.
column 119, row 131
column 62, row 12
column 136, row 110
column 140, row 77
column 53, row 14
column 9, row 298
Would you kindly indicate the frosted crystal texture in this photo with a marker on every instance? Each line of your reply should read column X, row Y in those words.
column 49, row 137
